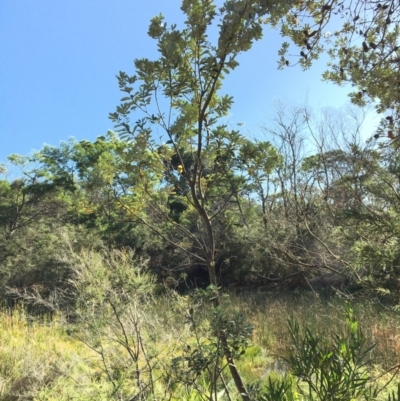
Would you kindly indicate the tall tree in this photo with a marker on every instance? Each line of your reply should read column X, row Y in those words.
column 198, row 172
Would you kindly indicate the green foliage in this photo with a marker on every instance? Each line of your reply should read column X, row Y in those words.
column 112, row 290
column 116, row 278
column 200, row 365
column 203, row 166
column 332, row 369
column 362, row 39
column 273, row 218
column 276, row 389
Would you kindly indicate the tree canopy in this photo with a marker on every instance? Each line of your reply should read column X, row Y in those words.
column 362, row 39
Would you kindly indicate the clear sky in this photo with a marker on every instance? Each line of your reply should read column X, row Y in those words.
column 58, row 62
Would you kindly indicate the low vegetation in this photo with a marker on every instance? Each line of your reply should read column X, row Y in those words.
column 129, row 339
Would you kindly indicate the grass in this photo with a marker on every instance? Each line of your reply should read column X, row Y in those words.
column 41, row 361
column 32, row 355
column 269, row 314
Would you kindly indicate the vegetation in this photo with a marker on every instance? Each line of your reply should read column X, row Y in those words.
column 88, row 359
column 126, row 248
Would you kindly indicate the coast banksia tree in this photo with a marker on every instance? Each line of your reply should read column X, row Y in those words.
column 189, row 177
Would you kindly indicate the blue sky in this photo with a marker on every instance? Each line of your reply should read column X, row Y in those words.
column 59, row 59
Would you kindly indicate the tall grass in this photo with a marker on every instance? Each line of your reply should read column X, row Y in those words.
column 33, row 356
column 270, row 312
column 42, row 360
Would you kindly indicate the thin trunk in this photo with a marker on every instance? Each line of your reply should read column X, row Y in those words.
column 224, row 341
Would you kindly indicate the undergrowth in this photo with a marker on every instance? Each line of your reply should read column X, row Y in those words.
column 46, row 361
column 127, row 341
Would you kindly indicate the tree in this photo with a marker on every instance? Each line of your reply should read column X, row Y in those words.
column 27, row 199
column 30, row 212
column 362, row 39
column 349, row 220
column 192, row 180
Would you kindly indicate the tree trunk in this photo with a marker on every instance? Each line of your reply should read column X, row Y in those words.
column 224, row 341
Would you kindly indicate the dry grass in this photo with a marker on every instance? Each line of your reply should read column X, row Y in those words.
column 269, row 313
column 30, row 354
column 40, row 361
